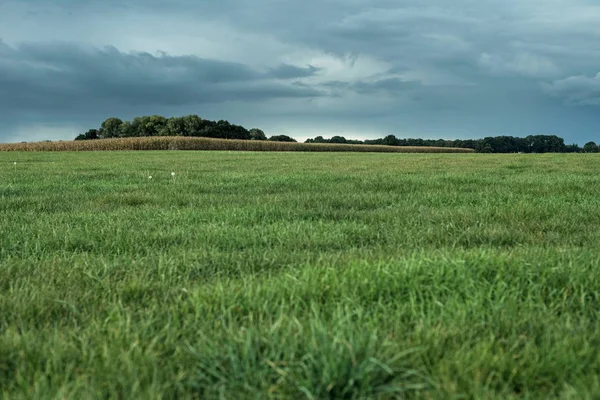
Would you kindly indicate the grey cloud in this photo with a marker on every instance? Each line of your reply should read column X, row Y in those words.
column 576, row 90
column 389, row 85
column 63, row 75
column 526, row 64
column 286, row 71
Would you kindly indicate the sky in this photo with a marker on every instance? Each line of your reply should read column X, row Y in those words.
column 357, row 68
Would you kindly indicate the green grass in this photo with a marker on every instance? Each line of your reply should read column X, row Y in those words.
column 299, row 275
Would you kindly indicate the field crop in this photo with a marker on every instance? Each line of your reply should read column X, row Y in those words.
column 203, row 143
column 299, row 275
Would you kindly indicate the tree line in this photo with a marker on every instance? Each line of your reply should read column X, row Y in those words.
column 193, row 125
column 189, row 125
column 497, row 144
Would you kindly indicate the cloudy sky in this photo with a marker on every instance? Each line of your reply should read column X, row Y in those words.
column 358, row 68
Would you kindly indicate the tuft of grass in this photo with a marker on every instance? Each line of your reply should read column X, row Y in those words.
column 299, row 275
column 201, row 143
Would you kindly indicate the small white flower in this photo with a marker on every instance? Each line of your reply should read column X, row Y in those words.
column 15, row 163
column 173, row 174
column 150, row 177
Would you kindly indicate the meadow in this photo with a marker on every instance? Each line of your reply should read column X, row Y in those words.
column 271, row 275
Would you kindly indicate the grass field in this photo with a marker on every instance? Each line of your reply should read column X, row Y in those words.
column 299, row 275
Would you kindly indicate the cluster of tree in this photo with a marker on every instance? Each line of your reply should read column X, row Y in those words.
column 193, row 125
column 189, row 125
column 498, row 144
column 591, row 147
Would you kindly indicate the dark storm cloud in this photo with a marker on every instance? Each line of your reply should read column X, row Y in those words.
column 461, row 67
column 286, row 71
column 59, row 75
column 577, row 90
column 393, row 86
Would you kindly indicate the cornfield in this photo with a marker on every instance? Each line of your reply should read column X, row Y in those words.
column 201, row 143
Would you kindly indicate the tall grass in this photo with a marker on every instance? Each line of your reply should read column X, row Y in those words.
column 299, row 276
column 198, row 143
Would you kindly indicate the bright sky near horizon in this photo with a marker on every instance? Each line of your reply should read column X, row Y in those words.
column 357, row 68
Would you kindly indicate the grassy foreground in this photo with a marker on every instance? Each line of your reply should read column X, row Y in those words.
column 204, row 143
column 299, row 275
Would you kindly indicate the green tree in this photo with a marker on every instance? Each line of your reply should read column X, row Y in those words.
column 126, row 130
column 257, row 134
column 590, row 147
column 175, row 126
column 89, row 135
column 154, row 125
column 573, row 148
column 193, row 125
column 545, row 144
column 151, row 125
column 390, row 140
column 281, row 138
column 338, row 139
column 111, row 127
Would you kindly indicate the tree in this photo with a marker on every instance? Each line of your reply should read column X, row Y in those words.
column 338, row 139
column 111, row 127
column 226, row 130
column 318, row 139
column 151, row 125
column 590, row 147
column 281, row 138
column 390, row 140
column 126, row 130
column 257, row 134
column 89, row 135
column 192, row 125
column 545, row 144
column 573, row 148
column 174, row 127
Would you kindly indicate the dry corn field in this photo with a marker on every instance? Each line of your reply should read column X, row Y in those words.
column 201, row 143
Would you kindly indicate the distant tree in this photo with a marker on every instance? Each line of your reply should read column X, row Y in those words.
column 257, row 134
column 136, row 128
column 338, row 139
column 590, row 147
column 334, row 139
column 150, row 125
column 486, row 148
column 111, row 127
column 374, row 141
column 467, row 144
column 126, row 130
column 545, row 144
column 573, row 148
column 318, row 139
column 89, row 135
column 390, row 140
column 227, row 130
column 154, row 125
column 281, row 138
column 192, row 125
column 175, row 126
